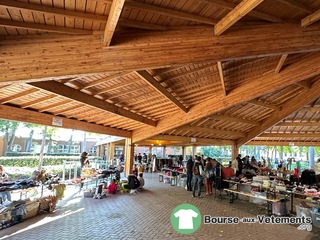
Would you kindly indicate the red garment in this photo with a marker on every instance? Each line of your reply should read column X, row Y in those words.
column 112, row 188
column 228, row 172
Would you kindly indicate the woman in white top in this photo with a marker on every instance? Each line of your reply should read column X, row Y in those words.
column 5, row 195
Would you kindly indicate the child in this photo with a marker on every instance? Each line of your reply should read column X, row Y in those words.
column 141, row 180
column 112, row 188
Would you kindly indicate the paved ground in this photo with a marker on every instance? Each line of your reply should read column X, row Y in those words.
column 147, row 216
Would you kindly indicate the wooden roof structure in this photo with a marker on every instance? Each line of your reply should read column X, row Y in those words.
column 179, row 72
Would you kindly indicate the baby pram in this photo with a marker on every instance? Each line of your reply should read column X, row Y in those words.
column 99, row 192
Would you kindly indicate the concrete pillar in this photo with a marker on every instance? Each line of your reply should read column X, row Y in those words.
column 128, row 156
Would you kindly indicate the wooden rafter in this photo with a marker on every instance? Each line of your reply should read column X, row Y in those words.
column 157, row 86
column 62, row 90
column 169, row 12
column 290, row 135
column 15, row 96
column 297, row 5
column 290, row 106
column 253, row 13
column 51, row 10
column 116, row 86
column 263, row 104
column 210, row 130
column 312, row 18
column 42, row 27
column 37, row 101
column 141, row 25
column 283, row 143
column 188, row 140
column 219, row 64
column 251, row 89
column 298, row 124
column 281, row 63
column 311, row 109
column 233, row 119
column 54, row 105
column 235, row 15
column 113, row 18
column 23, row 115
column 102, row 80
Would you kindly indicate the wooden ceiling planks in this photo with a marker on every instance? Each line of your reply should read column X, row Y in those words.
column 187, row 69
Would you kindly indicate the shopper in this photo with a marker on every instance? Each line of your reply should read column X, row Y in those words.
column 316, row 168
column 189, row 173
column 5, row 195
column 84, row 159
column 209, row 176
column 197, row 175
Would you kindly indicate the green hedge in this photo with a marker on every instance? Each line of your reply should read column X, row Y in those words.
column 24, row 154
column 33, row 161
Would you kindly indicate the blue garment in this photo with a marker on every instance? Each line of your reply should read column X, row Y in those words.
column 189, row 180
column 6, row 196
column 197, row 182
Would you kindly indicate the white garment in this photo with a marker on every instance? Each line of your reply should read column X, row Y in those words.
column 234, row 165
column 186, row 218
column 316, row 168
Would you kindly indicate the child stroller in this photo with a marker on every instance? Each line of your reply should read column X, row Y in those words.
column 99, row 192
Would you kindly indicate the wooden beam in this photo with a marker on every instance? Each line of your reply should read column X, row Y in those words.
column 39, row 100
column 116, row 86
column 282, row 143
column 23, row 115
column 297, row 5
column 62, row 90
column 298, row 124
column 303, row 98
column 222, row 78
column 113, row 18
column 162, row 90
column 311, row 109
column 42, row 27
column 102, row 80
column 251, row 89
column 54, row 105
column 233, row 119
column 85, row 56
column 141, row 25
column 210, row 130
column 263, row 104
column 290, row 135
column 51, row 10
column 281, row 62
column 186, row 140
column 312, row 18
column 253, row 13
column 18, row 95
column 235, row 15
column 169, row 12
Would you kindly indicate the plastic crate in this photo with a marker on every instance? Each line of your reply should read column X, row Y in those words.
column 301, row 211
column 315, row 219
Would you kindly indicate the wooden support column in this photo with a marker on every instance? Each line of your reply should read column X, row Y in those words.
column 194, row 150
column 235, row 151
column 129, row 156
column 184, row 153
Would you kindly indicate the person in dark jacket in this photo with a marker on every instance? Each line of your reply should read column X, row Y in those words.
column 84, row 161
column 133, row 183
column 189, row 173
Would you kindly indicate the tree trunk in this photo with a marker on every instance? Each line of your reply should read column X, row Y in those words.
column 11, row 137
column 43, row 143
column 50, row 145
column 70, row 142
column 29, row 141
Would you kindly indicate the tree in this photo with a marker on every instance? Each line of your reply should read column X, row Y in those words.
column 9, row 128
column 51, row 131
column 30, row 126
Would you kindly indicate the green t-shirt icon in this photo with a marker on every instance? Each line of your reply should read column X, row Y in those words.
column 185, row 218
